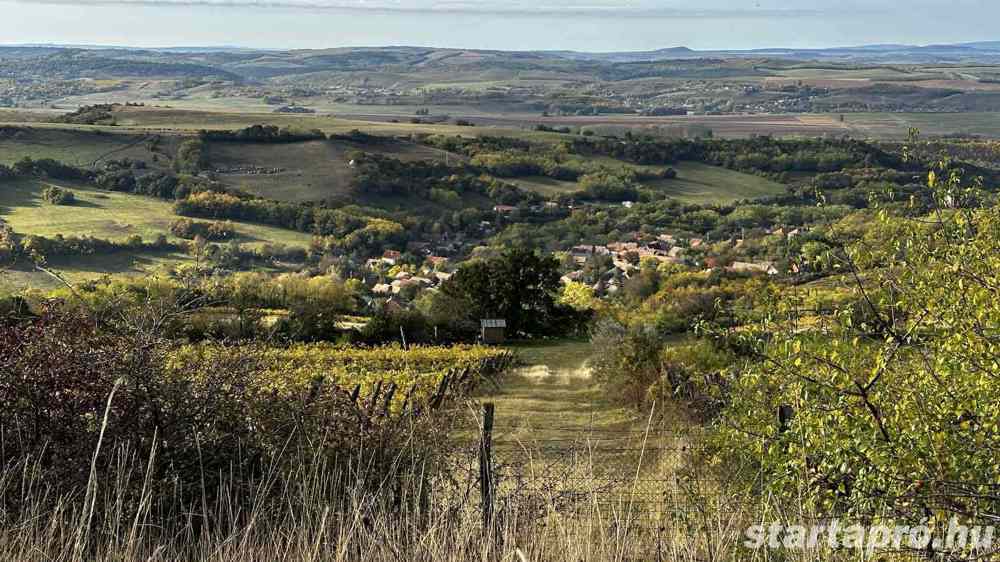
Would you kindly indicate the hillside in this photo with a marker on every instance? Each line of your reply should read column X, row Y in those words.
column 306, row 171
column 459, row 83
column 111, row 216
column 84, row 148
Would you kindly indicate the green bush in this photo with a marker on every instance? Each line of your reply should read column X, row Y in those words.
column 889, row 402
column 213, row 231
column 58, row 196
column 190, row 157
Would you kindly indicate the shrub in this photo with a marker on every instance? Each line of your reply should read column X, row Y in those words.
column 196, row 422
column 212, row 231
column 627, row 361
column 889, row 403
column 58, row 196
column 609, row 186
column 263, row 134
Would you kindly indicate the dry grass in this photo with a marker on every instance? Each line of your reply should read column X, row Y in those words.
column 311, row 508
column 313, row 511
column 306, row 525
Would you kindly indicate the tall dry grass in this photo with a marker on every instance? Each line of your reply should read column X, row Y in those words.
column 308, row 507
column 310, row 511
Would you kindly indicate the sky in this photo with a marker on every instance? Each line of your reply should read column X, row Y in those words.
column 584, row 25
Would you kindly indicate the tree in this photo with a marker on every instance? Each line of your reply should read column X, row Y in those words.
column 190, row 157
column 198, row 248
column 58, row 196
column 519, row 286
column 578, row 296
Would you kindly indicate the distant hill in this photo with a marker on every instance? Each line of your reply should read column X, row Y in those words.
column 238, row 64
column 986, row 52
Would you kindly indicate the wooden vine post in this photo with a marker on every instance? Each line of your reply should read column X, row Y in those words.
column 486, row 468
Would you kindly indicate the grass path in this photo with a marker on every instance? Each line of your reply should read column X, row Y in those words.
column 550, row 405
column 557, row 432
column 552, row 392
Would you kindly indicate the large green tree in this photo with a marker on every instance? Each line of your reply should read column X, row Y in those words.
column 519, row 286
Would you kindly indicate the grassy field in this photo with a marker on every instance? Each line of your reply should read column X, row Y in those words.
column 695, row 183
column 110, row 215
column 544, row 185
column 310, row 171
column 80, row 270
column 82, row 147
column 704, row 184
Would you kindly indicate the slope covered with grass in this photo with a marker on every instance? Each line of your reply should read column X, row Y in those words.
column 110, row 215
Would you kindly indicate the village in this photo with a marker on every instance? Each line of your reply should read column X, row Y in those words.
column 397, row 277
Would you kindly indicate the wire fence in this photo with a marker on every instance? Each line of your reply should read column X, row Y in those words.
column 639, row 471
column 580, row 469
column 653, row 479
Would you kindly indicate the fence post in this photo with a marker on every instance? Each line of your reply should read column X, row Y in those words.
column 387, row 409
column 486, row 468
column 374, row 398
column 442, row 390
column 785, row 415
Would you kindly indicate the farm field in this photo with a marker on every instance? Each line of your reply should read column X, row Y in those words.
column 419, row 369
column 158, row 119
column 378, row 120
column 896, row 125
column 110, row 215
column 206, row 101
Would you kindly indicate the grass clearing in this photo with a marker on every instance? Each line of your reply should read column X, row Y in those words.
column 83, row 269
column 551, row 391
column 695, row 183
column 550, row 413
column 704, row 184
column 308, row 171
column 110, row 215
column 82, row 147
column 545, row 186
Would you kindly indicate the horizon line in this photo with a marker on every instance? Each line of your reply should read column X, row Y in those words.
column 762, row 50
